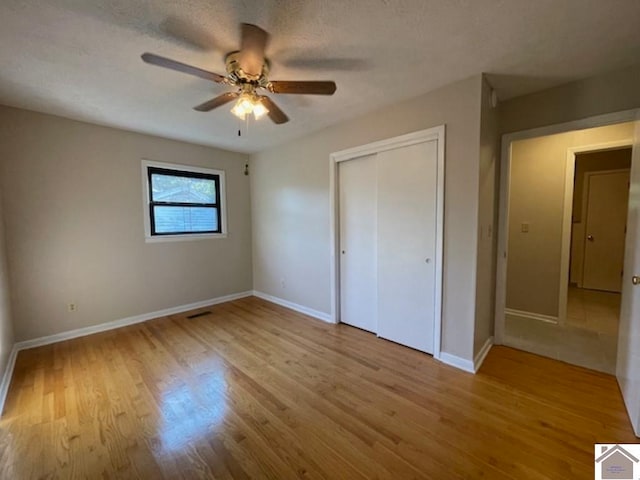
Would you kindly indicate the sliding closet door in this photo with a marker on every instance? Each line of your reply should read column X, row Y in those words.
column 358, row 240
column 406, row 244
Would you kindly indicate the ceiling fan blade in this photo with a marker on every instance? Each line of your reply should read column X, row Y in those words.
column 216, row 102
column 303, row 88
column 252, row 47
column 181, row 67
column 275, row 114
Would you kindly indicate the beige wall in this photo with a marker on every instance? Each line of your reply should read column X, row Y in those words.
column 290, row 205
column 612, row 92
column 591, row 162
column 6, row 325
column 538, row 168
column 73, row 210
column 487, row 218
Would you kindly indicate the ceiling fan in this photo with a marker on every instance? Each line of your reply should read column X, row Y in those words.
column 248, row 70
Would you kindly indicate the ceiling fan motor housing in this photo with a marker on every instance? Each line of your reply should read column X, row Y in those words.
column 239, row 76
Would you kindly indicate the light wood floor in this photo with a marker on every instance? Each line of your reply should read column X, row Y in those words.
column 257, row 391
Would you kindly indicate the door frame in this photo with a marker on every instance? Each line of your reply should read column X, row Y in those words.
column 565, row 254
column 585, row 201
column 505, row 179
column 432, row 134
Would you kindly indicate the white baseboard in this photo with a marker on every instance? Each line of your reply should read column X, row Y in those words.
column 6, row 377
column 482, row 354
column 102, row 327
column 458, row 362
column 294, row 306
column 532, row 315
column 123, row 322
column 463, row 363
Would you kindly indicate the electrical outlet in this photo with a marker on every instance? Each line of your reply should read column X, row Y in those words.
column 72, row 307
column 282, row 283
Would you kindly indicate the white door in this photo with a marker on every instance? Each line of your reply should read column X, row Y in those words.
column 407, row 189
column 628, row 365
column 358, row 239
column 607, row 199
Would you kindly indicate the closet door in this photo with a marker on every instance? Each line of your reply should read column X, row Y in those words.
column 358, row 240
column 406, row 244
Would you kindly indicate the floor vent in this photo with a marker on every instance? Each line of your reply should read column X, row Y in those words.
column 201, row 314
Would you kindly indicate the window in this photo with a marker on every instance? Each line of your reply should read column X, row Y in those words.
column 183, row 201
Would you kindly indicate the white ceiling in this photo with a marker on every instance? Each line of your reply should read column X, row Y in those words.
column 81, row 58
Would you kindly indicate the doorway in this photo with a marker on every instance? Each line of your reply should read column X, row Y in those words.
column 387, row 218
column 567, row 216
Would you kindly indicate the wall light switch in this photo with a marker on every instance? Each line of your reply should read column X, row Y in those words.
column 524, row 228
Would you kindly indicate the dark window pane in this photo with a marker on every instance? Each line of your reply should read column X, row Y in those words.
column 170, row 219
column 169, row 188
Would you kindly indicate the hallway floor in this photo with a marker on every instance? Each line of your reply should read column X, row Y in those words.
column 589, row 338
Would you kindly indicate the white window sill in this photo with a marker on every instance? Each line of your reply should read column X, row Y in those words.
column 183, row 238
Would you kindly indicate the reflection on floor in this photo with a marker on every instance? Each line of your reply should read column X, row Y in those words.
column 588, row 339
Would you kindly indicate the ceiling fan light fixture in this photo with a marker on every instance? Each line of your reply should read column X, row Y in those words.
column 243, row 107
column 238, row 111
column 259, row 110
column 248, row 104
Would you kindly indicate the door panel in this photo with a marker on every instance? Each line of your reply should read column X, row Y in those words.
column 407, row 188
column 628, row 365
column 358, row 257
column 607, row 199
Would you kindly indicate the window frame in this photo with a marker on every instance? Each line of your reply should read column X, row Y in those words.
column 149, row 167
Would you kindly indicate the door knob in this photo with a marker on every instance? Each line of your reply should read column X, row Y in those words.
column 635, row 280
column 590, row 238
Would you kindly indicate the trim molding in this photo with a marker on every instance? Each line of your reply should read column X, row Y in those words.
column 325, row 317
column 531, row 315
column 145, row 164
column 457, row 362
column 463, row 363
column 6, row 378
column 123, row 322
column 421, row 136
column 482, row 354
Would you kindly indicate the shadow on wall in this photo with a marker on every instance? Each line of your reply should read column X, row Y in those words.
column 510, row 86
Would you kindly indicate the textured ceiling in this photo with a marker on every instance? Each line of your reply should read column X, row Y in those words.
column 81, row 58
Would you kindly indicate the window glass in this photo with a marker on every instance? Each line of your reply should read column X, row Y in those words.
column 183, row 201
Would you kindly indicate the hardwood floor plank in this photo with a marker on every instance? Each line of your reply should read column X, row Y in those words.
column 254, row 390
